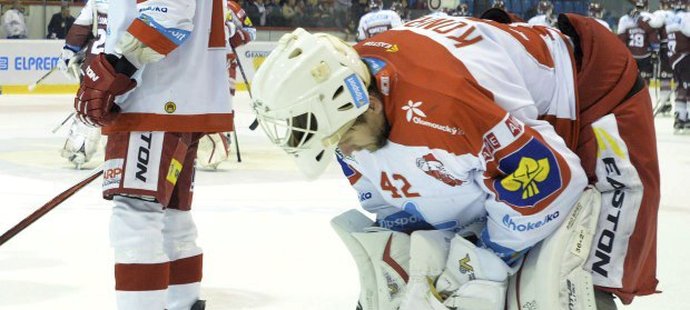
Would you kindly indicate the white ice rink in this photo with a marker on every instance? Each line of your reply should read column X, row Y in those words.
column 264, row 229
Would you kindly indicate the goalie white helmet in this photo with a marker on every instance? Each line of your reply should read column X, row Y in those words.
column 307, row 93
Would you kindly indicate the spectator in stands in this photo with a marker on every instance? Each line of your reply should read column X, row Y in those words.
column 341, row 12
column 60, row 23
column 324, row 9
column 308, row 13
column 14, row 23
column 292, row 14
column 257, row 12
column 274, row 14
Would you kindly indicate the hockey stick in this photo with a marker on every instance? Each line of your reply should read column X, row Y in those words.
column 63, row 123
column 33, row 85
column 255, row 123
column 50, row 205
column 237, row 144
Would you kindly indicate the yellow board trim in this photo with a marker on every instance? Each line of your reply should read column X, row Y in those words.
column 45, row 89
column 41, row 89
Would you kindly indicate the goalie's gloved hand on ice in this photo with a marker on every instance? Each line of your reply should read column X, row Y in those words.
column 95, row 100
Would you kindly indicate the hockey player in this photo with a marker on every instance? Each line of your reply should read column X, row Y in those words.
column 161, row 84
column 500, row 5
column 84, row 41
column 461, row 10
column 377, row 20
column 545, row 15
column 665, row 71
column 678, row 29
column 638, row 30
column 596, row 11
column 214, row 148
column 491, row 136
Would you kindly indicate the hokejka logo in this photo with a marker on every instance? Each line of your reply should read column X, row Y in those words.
column 416, row 115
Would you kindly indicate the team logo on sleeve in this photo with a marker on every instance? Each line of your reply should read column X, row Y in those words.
column 375, row 65
column 534, row 175
column 435, row 168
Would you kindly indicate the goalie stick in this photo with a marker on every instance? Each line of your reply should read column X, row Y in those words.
column 255, row 123
column 33, row 85
column 50, row 205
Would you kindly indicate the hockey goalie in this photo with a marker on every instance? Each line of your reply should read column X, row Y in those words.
column 504, row 165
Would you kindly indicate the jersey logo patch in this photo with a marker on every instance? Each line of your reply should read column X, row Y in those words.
column 414, row 114
column 535, row 176
column 435, row 168
column 375, row 65
column 357, row 90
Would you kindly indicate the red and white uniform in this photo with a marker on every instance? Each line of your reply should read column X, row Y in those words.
column 678, row 30
column 377, row 21
column 456, row 158
column 81, row 36
column 241, row 32
column 171, row 95
column 603, row 23
column 152, row 145
column 638, row 34
column 542, row 20
column 485, row 140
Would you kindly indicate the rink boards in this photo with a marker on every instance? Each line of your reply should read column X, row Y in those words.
column 23, row 62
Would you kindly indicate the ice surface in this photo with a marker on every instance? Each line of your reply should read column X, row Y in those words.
column 264, row 229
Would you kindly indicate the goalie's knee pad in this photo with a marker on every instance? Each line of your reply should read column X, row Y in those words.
column 382, row 258
column 553, row 274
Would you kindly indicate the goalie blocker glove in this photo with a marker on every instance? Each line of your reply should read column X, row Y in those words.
column 105, row 78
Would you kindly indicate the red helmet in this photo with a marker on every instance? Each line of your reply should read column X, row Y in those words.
column 596, row 10
column 545, row 7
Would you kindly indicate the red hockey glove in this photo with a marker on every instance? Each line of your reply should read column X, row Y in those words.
column 95, row 101
column 241, row 37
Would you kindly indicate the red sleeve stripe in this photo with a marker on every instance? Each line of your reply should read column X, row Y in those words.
column 151, row 37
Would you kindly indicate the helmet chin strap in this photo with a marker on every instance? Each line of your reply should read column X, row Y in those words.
column 336, row 136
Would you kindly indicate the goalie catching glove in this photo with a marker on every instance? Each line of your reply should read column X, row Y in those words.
column 95, row 100
column 70, row 61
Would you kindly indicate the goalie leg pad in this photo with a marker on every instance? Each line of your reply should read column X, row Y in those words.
column 382, row 258
column 553, row 274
